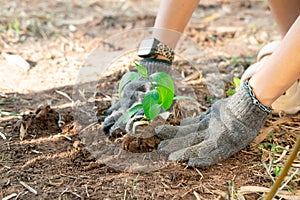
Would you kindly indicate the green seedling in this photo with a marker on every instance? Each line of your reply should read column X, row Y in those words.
column 15, row 25
column 4, row 103
column 134, row 182
column 4, row 113
column 231, row 190
column 252, row 27
column 209, row 99
column 234, row 60
column 236, row 84
column 2, row 157
column 277, row 170
column 160, row 97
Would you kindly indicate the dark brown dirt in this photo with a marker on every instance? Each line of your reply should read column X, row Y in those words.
column 140, row 145
column 53, row 159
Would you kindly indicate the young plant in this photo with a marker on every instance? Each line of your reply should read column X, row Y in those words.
column 161, row 95
column 236, row 84
column 4, row 113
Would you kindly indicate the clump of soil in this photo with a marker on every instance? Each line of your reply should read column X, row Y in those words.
column 142, row 138
column 139, row 144
column 44, row 121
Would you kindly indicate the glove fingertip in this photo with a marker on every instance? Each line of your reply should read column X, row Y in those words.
column 200, row 162
column 107, row 124
column 178, row 156
column 113, row 108
column 165, row 131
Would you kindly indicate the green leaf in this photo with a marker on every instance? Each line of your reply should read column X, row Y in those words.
column 163, row 79
column 236, row 82
column 129, row 76
column 151, row 105
column 142, row 70
column 184, row 97
column 165, row 88
column 230, row 92
column 154, row 111
column 165, row 97
column 131, row 112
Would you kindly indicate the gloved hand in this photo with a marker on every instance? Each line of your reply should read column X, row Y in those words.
column 228, row 126
column 133, row 93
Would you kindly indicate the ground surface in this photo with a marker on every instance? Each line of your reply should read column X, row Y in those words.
column 45, row 149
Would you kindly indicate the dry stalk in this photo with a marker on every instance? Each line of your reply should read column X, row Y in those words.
column 285, row 170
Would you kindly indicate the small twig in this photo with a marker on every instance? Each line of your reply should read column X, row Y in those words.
column 86, row 191
column 268, row 171
column 10, row 196
column 3, row 135
column 65, row 95
column 62, row 135
column 28, row 187
column 92, row 124
column 296, row 165
column 55, row 182
column 35, row 151
column 72, row 177
column 75, row 194
column 282, row 155
column 190, row 191
column 165, row 185
column 201, row 175
column 288, row 180
column 258, row 189
column 3, row 95
column 197, row 195
column 125, row 193
column 63, row 193
column 20, row 194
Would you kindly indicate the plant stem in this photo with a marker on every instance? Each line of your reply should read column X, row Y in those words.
column 152, row 84
column 285, row 170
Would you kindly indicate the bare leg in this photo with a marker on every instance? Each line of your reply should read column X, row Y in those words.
column 172, row 18
column 281, row 70
column 285, row 13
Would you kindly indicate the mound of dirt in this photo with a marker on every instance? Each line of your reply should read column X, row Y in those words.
column 44, row 121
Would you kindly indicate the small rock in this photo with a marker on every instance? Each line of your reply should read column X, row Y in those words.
column 17, row 61
column 72, row 28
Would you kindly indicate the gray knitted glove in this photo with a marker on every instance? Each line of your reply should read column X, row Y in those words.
column 133, row 93
column 223, row 130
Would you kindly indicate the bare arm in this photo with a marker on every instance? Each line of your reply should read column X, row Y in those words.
column 281, row 70
column 172, row 18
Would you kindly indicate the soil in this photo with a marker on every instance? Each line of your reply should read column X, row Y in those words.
column 51, row 139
